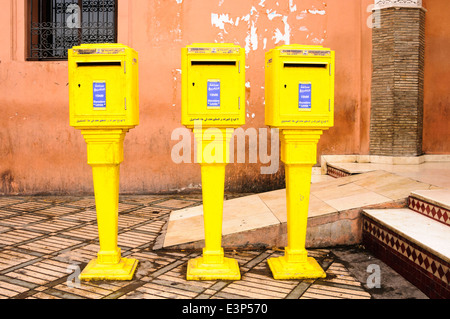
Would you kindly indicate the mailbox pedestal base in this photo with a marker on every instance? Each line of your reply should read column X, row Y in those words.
column 283, row 268
column 105, row 153
column 222, row 269
column 123, row 270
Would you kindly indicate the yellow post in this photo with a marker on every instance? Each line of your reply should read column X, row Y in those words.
column 298, row 152
column 105, row 153
column 104, row 105
column 299, row 99
column 212, row 154
column 213, row 95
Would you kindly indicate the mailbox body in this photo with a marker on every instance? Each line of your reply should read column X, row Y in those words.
column 213, row 85
column 299, row 87
column 103, row 86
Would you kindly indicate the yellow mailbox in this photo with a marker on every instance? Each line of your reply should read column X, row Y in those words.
column 299, row 100
column 213, row 77
column 104, row 105
column 213, row 104
column 103, row 86
column 300, row 87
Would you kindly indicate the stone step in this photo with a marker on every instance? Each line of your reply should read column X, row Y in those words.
column 434, row 204
column 337, row 172
column 260, row 220
column 414, row 245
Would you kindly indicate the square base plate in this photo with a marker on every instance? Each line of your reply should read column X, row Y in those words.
column 124, row 270
column 199, row 270
column 281, row 269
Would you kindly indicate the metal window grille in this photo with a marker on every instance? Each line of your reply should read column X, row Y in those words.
column 58, row 25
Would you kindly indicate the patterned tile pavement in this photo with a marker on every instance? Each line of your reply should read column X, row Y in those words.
column 46, row 241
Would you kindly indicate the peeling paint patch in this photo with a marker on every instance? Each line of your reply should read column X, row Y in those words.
column 271, row 15
column 251, row 41
column 279, row 36
column 317, row 41
column 292, row 6
column 301, row 15
column 220, row 20
column 315, row 11
column 246, row 17
column 263, row 22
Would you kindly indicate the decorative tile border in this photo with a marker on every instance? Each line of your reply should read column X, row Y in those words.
column 426, row 271
column 433, row 211
column 336, row 173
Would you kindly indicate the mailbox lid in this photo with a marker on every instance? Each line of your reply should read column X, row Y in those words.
column 300, row 86
column 103, row 85
column 214, row 50
column 100, row 49
column 213, row 78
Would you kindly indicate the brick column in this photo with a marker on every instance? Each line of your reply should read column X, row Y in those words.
column 397, row 78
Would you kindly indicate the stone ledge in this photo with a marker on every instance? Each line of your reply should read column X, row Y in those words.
column 260, row 221
column 379, row 159
column 384, row 4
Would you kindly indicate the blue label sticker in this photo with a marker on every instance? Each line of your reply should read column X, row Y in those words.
column 213, row 94
column 99, row 95
column 304, row 96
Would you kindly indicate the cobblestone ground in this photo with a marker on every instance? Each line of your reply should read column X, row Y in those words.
column 46, row 241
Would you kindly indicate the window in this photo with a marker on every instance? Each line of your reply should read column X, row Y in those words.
column 58, row 25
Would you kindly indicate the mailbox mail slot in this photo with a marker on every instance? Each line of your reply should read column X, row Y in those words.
column 92, row 64
column 212, row 63
column 305, row 65
column 103, row 86
column 300, row 87
column 213, row 85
